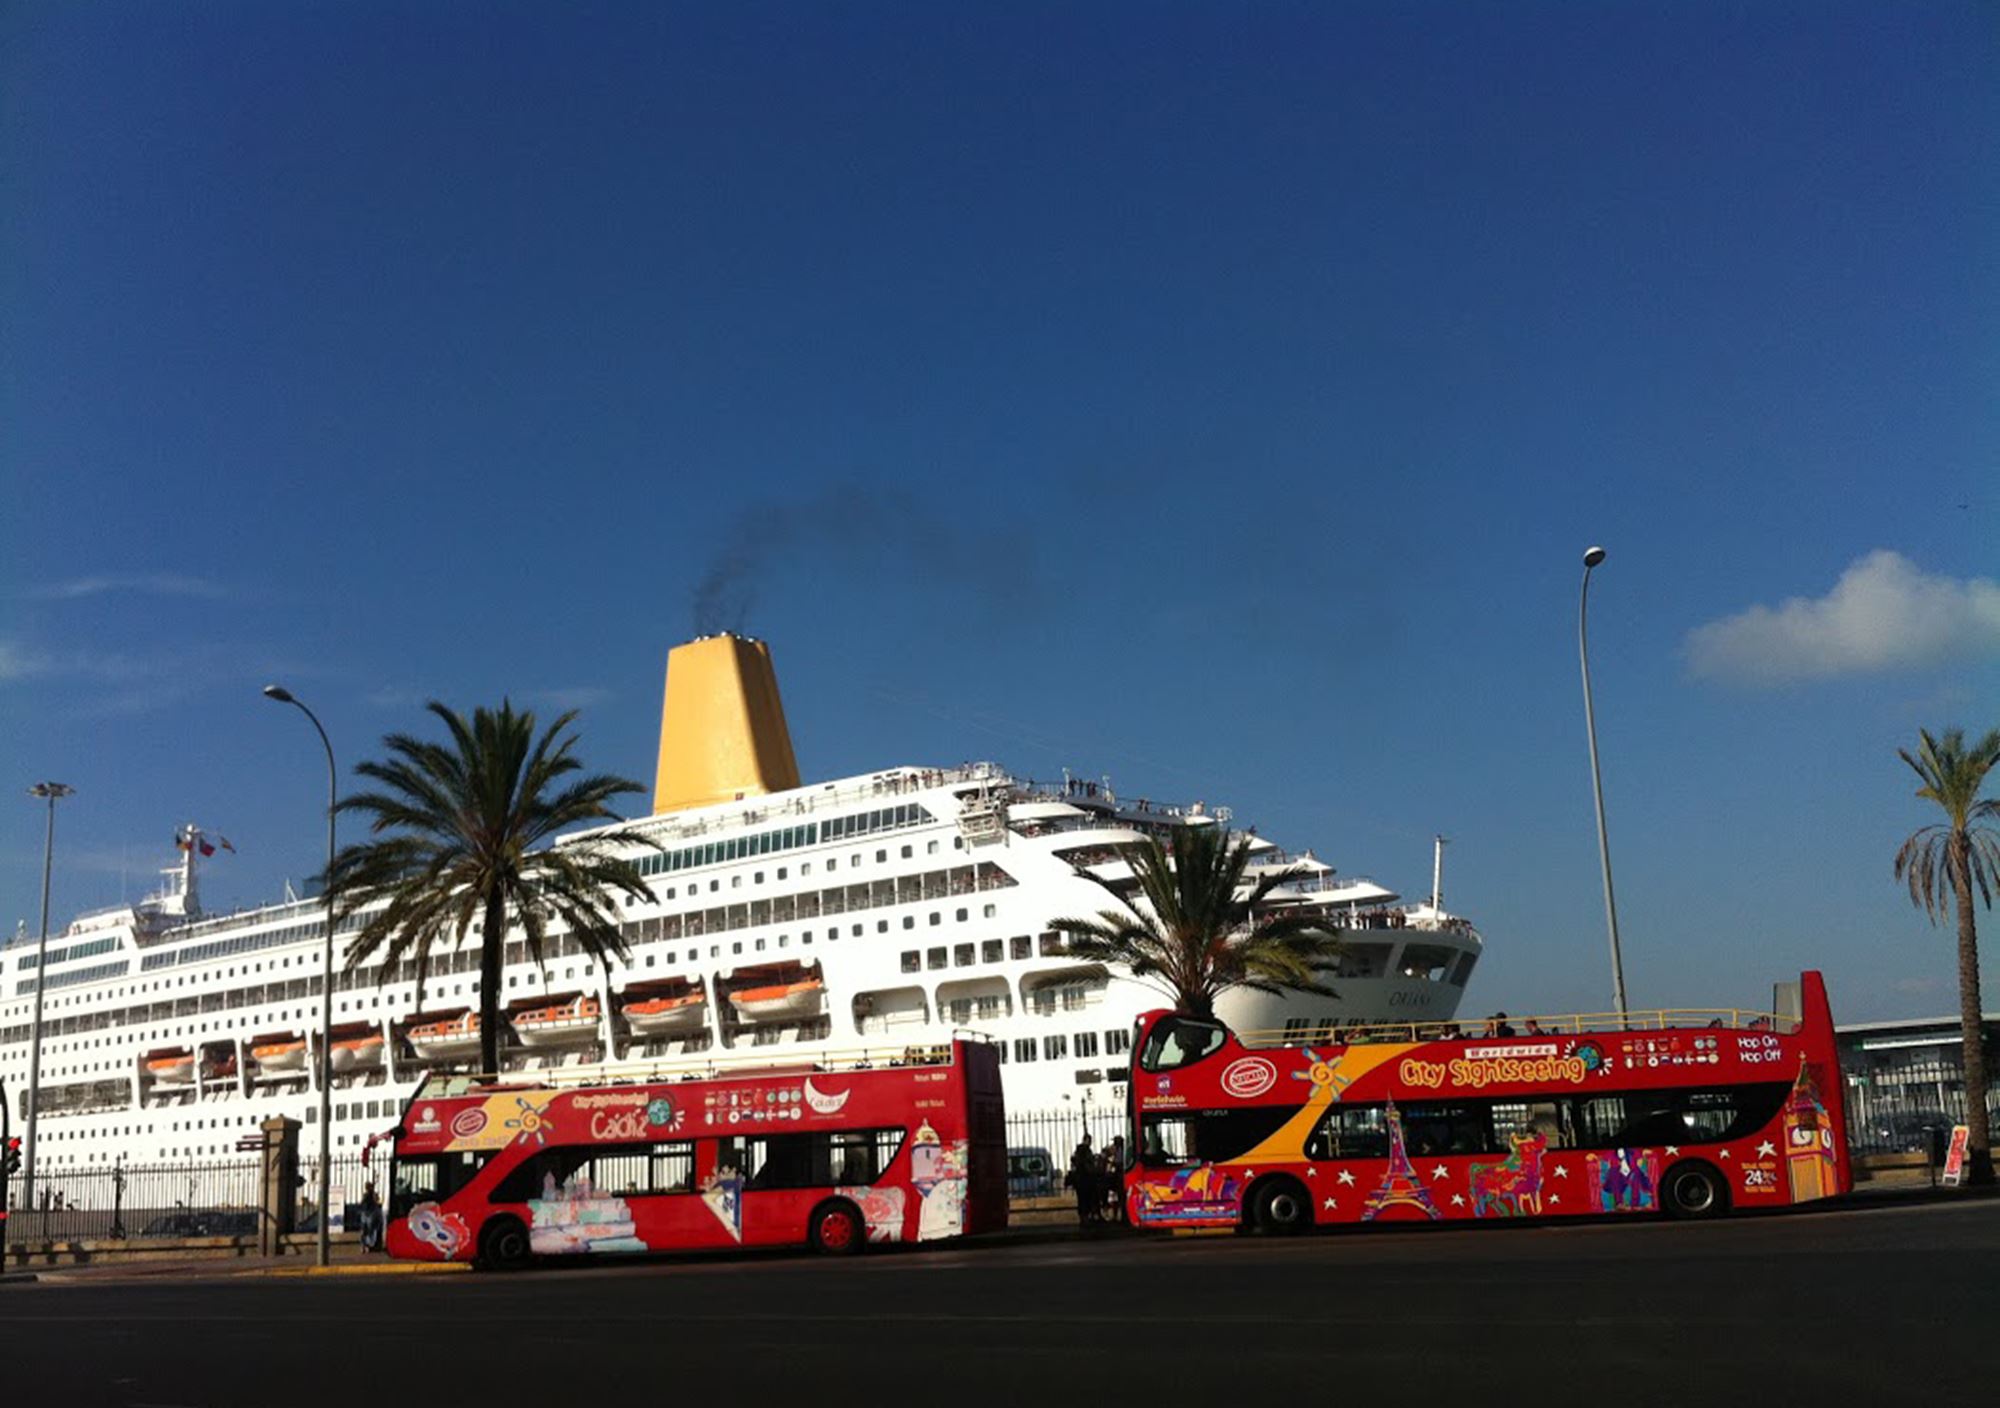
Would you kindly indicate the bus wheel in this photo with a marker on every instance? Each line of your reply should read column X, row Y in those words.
column 503, row 1246
column 1280, row 1208
column 837, row 1229
column 1693, row 1190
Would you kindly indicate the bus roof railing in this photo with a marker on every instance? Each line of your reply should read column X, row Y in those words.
column 1662, row 1019
column 446, row 1084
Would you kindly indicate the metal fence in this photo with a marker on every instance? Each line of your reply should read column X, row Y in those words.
column 1901, row 1116
column 141, row 1200
column 179, row 1200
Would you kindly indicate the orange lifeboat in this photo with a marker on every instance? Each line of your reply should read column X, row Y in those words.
column 559, row 1024
column 779, row 1002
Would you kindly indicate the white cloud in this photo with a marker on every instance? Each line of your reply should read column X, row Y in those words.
column 1882, row 615
column 150, row 583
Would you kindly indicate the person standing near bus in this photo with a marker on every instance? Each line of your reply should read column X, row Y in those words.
column 1083, row 1176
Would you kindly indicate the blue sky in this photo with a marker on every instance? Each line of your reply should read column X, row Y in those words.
column 1215, row 397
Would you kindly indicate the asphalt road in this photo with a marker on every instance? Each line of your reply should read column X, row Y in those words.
column 1869, row 1305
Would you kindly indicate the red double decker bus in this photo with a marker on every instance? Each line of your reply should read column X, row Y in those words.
column 1688, row 1113
column 880, row 1146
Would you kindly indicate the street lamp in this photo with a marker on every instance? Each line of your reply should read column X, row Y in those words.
column 284, row 696
column 1591, row 558
column 52, row 792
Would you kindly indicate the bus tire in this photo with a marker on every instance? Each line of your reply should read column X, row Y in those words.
column 1280, row 1207
column 837, row 1228
column 503, row 1246
column 1693, row 1190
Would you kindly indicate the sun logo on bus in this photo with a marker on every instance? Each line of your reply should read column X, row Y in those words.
column 1324, row 1074
column 533, row 1126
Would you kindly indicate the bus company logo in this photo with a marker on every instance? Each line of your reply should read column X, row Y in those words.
column 426, row 1121
column 1248, row 1077
column 1518, row 1050
column 467, row 1123
column 661, row 1112
column 824, row 1104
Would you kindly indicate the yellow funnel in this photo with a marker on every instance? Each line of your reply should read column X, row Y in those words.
column 722, row 727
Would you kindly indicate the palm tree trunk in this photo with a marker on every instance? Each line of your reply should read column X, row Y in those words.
column 1971, row 1033
column 492, row 954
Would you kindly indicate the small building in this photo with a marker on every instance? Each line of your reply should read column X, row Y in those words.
column 1906, row 1076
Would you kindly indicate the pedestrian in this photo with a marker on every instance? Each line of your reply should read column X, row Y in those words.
column 371, row 1219
column 1083, row 1181
column 1114, row 1179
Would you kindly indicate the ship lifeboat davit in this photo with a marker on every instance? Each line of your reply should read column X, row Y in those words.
column 171, row 1067
column 663, row 1016
column 277, row 1058
column 564, row 1023
column 453, row 1039
column 360, row 1053
column 779, row 1002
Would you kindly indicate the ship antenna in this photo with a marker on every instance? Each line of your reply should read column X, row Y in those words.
column 1438, row 844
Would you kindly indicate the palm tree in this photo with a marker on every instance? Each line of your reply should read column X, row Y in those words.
column 455, row 833
column 1197, row 938
column 1948, row 860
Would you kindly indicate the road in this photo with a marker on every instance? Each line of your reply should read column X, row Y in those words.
column 1866, row 1305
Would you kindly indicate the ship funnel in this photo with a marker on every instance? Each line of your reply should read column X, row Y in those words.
column 722, row 726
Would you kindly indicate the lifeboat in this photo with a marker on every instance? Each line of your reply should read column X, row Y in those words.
column 560, row 1024
column 663, row 1016
column 285, row 1057
column 453, row 1039
column 363, row 1053
column 779, row 1002
column 171, row 1067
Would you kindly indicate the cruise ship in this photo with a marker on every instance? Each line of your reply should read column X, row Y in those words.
column 786, row 920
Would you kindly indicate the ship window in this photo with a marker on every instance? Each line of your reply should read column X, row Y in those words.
column 881, row 926
column 990, row 951
column 1086, row 1043
column 931, row 849
column 909, row 921
column 907, row 852
column 1055, row 1047
column 961, row 955
column 736, row 947
column 782, row 872
column 857, row 930
column 760, row 945
column 935, row 958
column 1024, row 1048
column 959, row 915
column 1021, row 945
column 936, row 919
column 912, row 961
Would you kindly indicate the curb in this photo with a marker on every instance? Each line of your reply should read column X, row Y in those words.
column 388, row 1268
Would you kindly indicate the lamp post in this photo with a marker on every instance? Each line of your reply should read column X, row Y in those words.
column 284, row 696
column 52, row 792
column 1591, row 558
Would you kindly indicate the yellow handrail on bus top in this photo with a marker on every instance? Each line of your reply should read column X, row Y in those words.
column 450, row 1083
column 1525, row 1028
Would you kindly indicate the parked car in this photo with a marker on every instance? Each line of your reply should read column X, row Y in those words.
column 1031, row 1173
column 202, row 1224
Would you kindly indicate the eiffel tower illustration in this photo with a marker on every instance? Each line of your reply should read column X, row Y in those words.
column 1399, row 1185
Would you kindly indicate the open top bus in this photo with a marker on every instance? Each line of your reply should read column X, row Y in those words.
column 892, row 1145
column 1688, row 1113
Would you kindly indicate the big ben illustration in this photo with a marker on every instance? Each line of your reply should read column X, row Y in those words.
column 1808, row 1141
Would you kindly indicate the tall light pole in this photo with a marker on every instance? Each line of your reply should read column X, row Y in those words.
column 284, row 696
column 1591, row 558
column 53, row 792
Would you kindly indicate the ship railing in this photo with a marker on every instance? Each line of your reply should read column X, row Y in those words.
column 445, row 1084
column 897, row 783
column 1520, row 1030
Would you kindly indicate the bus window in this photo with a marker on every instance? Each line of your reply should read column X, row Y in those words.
column 1350, row 1132
column 1513, row 1119
column 1179, row 1041
column 1209, row 1136
column 1432, row 1129
column 431, row 1179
